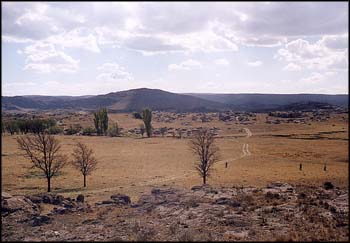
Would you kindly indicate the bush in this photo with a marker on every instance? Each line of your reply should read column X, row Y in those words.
column 88, row 131
column 114, row 131
column 137, row 115
column 55, row 130
column 37, row 126
column 142, row 129
column 23, row 126
column 72, row 130
column 11, row 127
column 163, row 131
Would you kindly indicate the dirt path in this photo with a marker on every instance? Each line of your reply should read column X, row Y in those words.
column 245, row 149
column 249, row 133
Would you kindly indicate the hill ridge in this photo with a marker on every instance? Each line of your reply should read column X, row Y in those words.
column 157, row 99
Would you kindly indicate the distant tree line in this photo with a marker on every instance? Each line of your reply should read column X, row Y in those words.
column 31, row 126
column 102, row 125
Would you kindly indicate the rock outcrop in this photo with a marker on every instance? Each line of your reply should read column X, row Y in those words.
column 279, row 211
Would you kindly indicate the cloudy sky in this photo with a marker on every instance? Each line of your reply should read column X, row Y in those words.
column 81, row 48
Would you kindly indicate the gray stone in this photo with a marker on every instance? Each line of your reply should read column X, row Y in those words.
column 80, row 198
column 18, row 203
column 5, row 195
column 47, row 198
column 328, row 185
column 58, row 199
column 107, row 202
column 35, row 199
column 121, row 199
column 40, row 220
column 196, row 188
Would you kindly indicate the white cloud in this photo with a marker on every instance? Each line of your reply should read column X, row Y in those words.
column 221, row 62
column 77, row 38
column 33, row 21
column 292, row 67
column 164, row 27
column 185, row 65
column 314, row 78
column 339, row 42
column 317, row 56
column 44, row 58
column 263, row 41
column 255, row 63
column 113, row 72
column 315, row 39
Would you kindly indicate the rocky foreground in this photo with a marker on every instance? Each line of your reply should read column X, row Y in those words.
column 280, row 212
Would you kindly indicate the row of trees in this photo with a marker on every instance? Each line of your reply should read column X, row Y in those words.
column 100, row 123
column 29, row 126
column 44, row 152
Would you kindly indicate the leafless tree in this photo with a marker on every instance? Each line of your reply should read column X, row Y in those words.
column 84, row 160
column 43, row 150
column 203, row 146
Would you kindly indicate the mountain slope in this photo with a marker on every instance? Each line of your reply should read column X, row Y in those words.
column 137, row 99
column 130, row 100
column 257, row 102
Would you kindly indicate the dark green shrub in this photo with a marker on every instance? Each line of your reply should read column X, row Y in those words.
column 88, row 131
column 55, row 130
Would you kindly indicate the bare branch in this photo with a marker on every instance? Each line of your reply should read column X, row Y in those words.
column 203, row 147
column 43, row 151
column 84, row 160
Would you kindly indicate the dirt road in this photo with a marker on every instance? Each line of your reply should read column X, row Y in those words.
column 245, row 149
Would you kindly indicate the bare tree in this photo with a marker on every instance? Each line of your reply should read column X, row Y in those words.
column 203, row 146
column 43, row 150
column 84, row 160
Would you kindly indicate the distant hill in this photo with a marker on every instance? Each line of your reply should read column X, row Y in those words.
column 123, row 101
column 137, row 99
column 307, row 106
column 261, row 102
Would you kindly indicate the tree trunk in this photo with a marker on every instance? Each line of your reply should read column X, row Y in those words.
column 204, row 179
column 84, row 180
column 48, row 184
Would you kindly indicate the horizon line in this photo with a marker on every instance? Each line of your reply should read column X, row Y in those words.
column 184, row 93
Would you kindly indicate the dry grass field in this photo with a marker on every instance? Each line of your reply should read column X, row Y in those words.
column 133, row 165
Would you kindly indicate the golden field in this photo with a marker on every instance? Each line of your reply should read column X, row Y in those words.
column 133, row 165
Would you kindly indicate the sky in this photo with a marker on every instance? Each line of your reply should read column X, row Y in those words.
column 89, row 48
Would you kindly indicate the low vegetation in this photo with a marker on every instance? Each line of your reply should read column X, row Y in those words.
column 16, row 126
column 114, row 130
